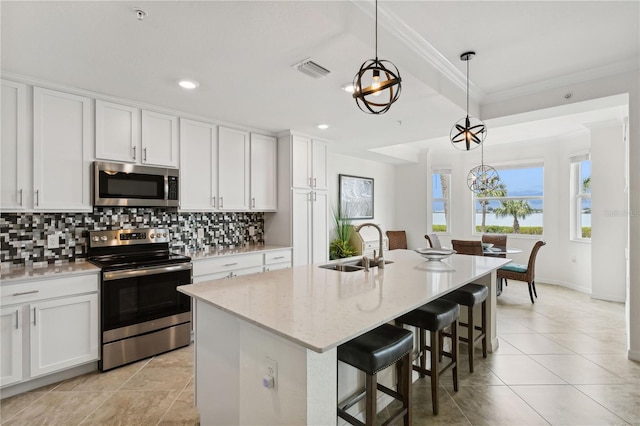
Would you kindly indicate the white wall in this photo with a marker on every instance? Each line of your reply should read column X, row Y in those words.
column 384, row 197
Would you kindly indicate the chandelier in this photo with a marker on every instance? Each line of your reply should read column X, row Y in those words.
column 468, row 132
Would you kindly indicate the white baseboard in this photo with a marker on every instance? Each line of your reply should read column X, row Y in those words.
column 571, row 286
column 608, row 297
column 39, row 382
column 633, row 355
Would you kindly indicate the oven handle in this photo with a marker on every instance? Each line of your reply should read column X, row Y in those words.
column 152, row 270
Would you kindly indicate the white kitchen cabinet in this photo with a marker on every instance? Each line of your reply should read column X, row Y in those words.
column 11, row 345
column 301, row 221
column 277, row 259
column 309, row 222
column 218, row 267
column 131, row 135
column 263, row 173
column 62, row 151
column 14, row 147
column 48, row 325
column 64, row 333
column 117, row 132
column 159, row 139
column 198, row 166
column 309, row 164
column 233, row 169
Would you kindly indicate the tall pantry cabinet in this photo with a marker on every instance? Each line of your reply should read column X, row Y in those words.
column 302, row 215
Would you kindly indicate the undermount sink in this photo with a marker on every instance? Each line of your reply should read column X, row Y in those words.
column 342, row 267
column 371, row 264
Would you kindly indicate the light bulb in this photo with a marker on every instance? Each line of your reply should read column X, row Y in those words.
column 375, row 83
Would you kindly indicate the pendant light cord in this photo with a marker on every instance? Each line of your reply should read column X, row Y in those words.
column 468, row 59
column 377, row 31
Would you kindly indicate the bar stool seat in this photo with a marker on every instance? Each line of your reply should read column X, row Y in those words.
column 435, row 316
column 372, row 352
column 471, row 295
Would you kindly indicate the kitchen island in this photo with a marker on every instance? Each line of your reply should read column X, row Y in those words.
column 288, row 323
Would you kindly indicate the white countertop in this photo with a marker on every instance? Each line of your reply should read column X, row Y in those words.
column 320, row 308
column 225, row 251
column 26, row 273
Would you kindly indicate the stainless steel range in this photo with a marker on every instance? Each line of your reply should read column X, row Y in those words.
column 142, row 313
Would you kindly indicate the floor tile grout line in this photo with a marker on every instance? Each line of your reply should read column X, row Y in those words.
column 612, row 412
column 174, row 401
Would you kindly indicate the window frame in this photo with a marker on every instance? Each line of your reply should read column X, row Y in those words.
column 577, row 196
column 446, row 200
column 526, row 164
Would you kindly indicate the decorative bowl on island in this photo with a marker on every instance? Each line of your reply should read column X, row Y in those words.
column 435, row 254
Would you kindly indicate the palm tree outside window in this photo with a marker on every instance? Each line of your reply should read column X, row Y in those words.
column 440, row 200
column 581, row 189
column 515, row 206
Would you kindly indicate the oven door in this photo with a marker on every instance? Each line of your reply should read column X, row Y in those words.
column 141, row 300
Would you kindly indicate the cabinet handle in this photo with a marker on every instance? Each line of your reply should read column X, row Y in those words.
column 35, row 316
column 20, row 193
column 37, row 197
column 278, row 257
column 315, row 183
column 253, row 202
column 310, row 199
column 17, row 319
column 315, row 196
column 26, row 292
column 144, row 151
column 221, row 202
column 134, row 152
column 231, row 264
column 311, row 182
column 214, row 202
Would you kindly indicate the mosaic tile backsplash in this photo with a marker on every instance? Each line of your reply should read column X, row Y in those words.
column 23, row 236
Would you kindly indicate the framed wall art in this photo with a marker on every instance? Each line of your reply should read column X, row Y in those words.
column 356, row 197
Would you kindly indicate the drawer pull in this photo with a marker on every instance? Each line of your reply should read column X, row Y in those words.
column 26, row 292
column 278, row 257
column 34, row 316
column 231, row 264
column 17, row 319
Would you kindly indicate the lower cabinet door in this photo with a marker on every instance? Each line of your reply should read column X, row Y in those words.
column 64, row 333
column 11, row 345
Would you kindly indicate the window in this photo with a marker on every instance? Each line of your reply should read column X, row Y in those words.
column 581, row 196
column 516, row 205
column 440, row 200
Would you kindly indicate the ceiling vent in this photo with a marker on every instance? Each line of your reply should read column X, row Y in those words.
column 311, row 68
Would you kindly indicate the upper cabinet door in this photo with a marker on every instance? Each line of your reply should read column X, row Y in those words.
column 117, row 132
column 13, row 196
column 62, row 151
column 263, row 173
column 301, row 162
column 319, row 165
column 233, row 169
column 198, row 162
column 159, row 139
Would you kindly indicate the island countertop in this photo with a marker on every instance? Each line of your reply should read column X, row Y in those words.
column 320, row 308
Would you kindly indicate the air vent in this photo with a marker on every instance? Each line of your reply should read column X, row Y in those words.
column 311, row 68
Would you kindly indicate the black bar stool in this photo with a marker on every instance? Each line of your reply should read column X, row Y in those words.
column 372, row 352
column 435, row 316
column 471, row 295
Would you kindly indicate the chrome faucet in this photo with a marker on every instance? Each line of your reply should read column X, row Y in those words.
column 380, row 259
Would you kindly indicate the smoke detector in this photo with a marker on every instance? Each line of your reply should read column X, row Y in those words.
column 312, row 69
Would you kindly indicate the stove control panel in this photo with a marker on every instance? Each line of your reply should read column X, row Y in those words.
column 128, row 237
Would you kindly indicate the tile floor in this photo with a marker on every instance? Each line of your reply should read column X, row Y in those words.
column 561, row 361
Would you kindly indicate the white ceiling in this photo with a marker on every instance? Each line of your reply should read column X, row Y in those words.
column 242, row 53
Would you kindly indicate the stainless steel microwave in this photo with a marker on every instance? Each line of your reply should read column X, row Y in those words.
column 118, row 184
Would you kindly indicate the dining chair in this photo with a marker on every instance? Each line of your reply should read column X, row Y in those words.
column 498, row 241
column 397, row 240
column 472, row 247
column 526, row 273
column 434, row 241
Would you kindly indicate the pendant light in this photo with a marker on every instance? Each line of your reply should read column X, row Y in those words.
column 468, row 132
column 483, row 178
column 377, row 83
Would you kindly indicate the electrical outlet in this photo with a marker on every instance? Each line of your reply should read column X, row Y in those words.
column 270, row 370
column 53, row 241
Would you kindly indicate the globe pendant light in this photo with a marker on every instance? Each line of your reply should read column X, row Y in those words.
column 377, row 83
column 468, row 132
column 483, row 178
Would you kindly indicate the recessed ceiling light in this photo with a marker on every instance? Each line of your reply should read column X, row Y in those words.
column 348, row 88
column 323, row 126
column 188, row 84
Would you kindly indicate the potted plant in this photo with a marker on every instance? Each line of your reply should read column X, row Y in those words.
column 341, row 246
